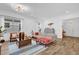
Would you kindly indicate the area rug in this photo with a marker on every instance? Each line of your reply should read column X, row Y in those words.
column 29, row 50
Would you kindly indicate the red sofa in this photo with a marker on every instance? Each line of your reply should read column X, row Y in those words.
column 44, row 40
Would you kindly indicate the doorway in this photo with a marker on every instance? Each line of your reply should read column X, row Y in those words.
column 71, row 27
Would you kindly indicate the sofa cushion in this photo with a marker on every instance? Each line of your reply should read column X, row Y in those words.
column 45, row 40
column 14, row 35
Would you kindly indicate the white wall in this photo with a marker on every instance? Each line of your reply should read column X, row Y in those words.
column 57, row 26
column 28, row 25
column 71, row 26
column 2, row 21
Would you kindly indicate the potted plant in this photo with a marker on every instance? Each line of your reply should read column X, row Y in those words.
column 1, row 29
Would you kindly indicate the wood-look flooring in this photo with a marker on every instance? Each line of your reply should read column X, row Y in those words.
column 68, row 46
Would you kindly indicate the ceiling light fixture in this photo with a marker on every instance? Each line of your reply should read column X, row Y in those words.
column 19, row 8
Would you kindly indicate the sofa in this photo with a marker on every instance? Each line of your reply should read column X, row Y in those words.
column 47, row 37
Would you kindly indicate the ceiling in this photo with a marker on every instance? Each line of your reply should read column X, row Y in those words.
column 45, row 10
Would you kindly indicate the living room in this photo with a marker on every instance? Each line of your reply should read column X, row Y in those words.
column 41, row 24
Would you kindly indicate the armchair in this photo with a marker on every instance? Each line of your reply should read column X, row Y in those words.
column 13, row 37
column 23, row 40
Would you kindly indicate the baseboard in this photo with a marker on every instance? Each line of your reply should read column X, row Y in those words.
column 72, row 37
